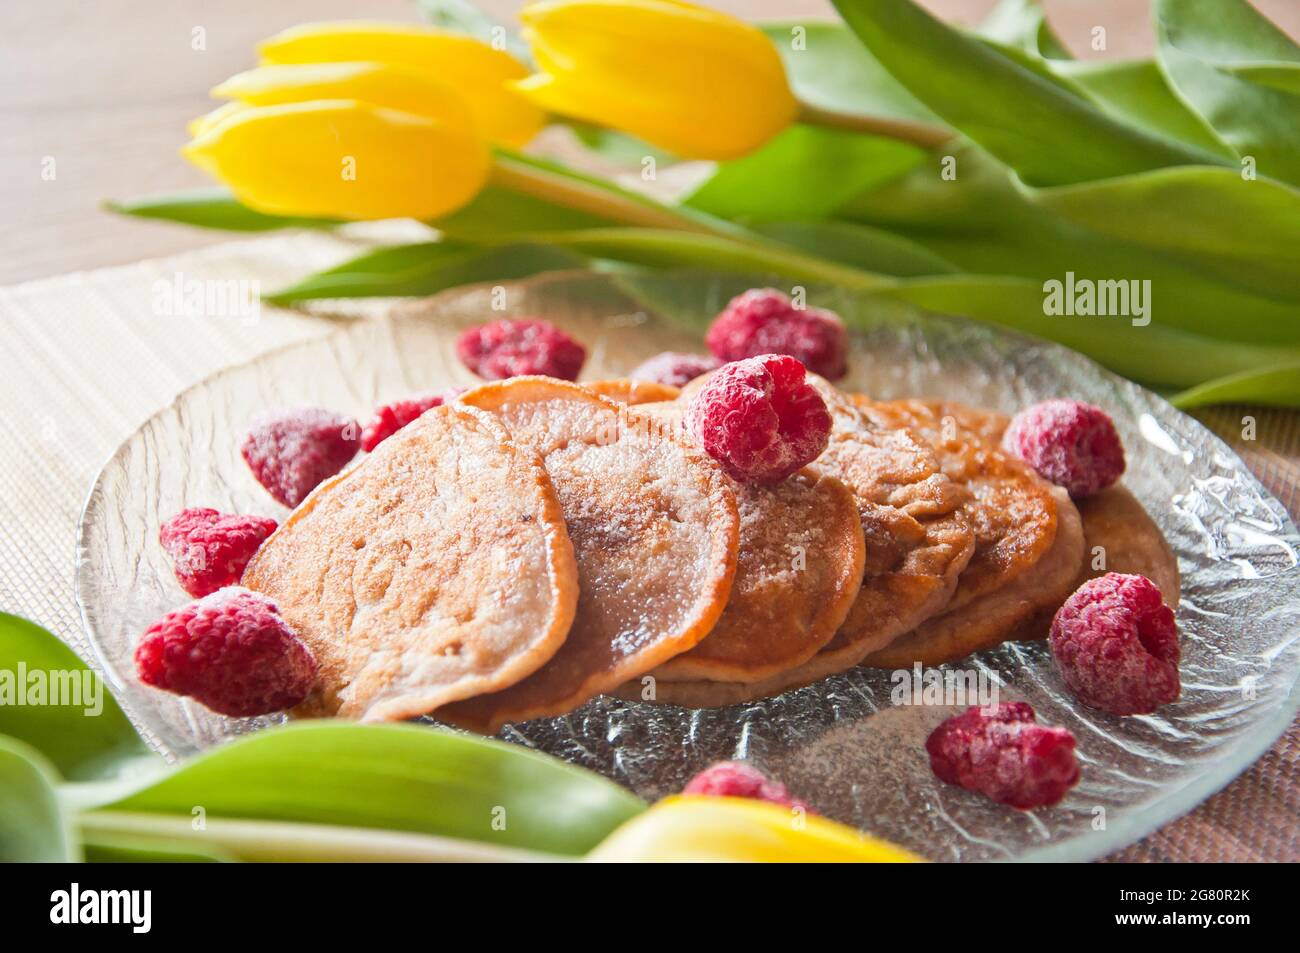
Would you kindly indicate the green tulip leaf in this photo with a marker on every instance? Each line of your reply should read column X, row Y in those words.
column 213, row 208
column 52, row 701
column 1204, row 50
column 426, row 268
column 617, row 147
column 1276, row 386
column 859, row 246
column 116, row 848
column 787, row 178
column 829, row 69
column 1186, row 213
column 1022, row 23
column 33, row 827
column 410, row 778
column 1043, row 131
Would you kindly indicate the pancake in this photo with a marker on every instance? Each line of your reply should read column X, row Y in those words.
column 1119, row 536
column 625, row 390
column 435, row 569
column 654, row 527
column 918, row 541
column 1011, row 508
column 997, row 616
column 798, row 571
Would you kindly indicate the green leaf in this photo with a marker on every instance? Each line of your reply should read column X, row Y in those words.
column 213, row 208
column 617, row 147
column 1137, row 92
column 114, row 848
column 498, row 212
column 426, row 268
column 790, row 177
column 1023, row 24
column 1277, row 386
column 1193, row 213
column 828, row 68
column 85, row 734
column 464, row 16
column 1048, row 135
column 33, row 828
column 1155, row 354
column 663, row 248
column 391, row 777
column 859, row 246
column 1203, row 47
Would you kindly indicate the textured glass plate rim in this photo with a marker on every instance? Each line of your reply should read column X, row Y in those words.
column 1122, row 833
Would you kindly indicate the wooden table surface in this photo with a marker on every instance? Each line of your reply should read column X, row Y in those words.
column 100, row 92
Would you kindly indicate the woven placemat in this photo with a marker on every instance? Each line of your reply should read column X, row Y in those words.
column 90, row 356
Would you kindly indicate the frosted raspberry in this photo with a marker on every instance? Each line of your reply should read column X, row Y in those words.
column 513, row 347
column 1070, row 443
column 210, row 549
column 765, row 321
column 760, row 419
column 1116, row 645
column 291, row 451
column 1006, row 755
column 674, row 368
column 392, row 417
column 231, row 651
column 738, row 779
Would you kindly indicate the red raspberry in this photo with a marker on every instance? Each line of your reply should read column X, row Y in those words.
column 513, row 347
column 764, row 321
column 738, row 779
column 291, row 451
column 392, row 417
column 231, row 651
column 1116, row 645
column 674, row 368
column 210, row 549
column 1070, row 443
column 760, row 419
column 1006, row 755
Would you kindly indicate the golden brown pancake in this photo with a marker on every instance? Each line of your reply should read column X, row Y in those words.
column 654, row 528
column 625, row 390
column 996, row 616
column 918, row 541
column 435, row 569
column 1011, row 508
column 798, row 571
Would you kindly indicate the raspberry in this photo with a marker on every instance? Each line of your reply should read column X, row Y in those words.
column 674, row 368
column 738, row 779
column 392, row 417
column 1069, row 443
column 760, row 419
column 514, row 347
column 210, row 549
column 290, row 452
column 1006, row 755
column 231, row 651
column 764, row 321
column 1116, row 645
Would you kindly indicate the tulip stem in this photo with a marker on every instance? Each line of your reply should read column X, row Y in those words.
column 604, row 202
column 920, row 134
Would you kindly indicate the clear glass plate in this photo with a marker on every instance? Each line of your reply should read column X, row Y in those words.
column 840, row 744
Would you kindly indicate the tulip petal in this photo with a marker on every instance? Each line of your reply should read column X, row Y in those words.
column 379, row 84
column 477, row 71
column 343, row 159
column 712, row 829
column 698, row 83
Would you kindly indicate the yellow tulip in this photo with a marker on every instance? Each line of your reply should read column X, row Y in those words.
column 698, row 83
column 343, row 159
column 479, row 73
column 379, row 84
column 691, row 828
column 209, row 120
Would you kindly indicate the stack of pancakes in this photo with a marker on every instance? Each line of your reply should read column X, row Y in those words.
column 538, row 543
